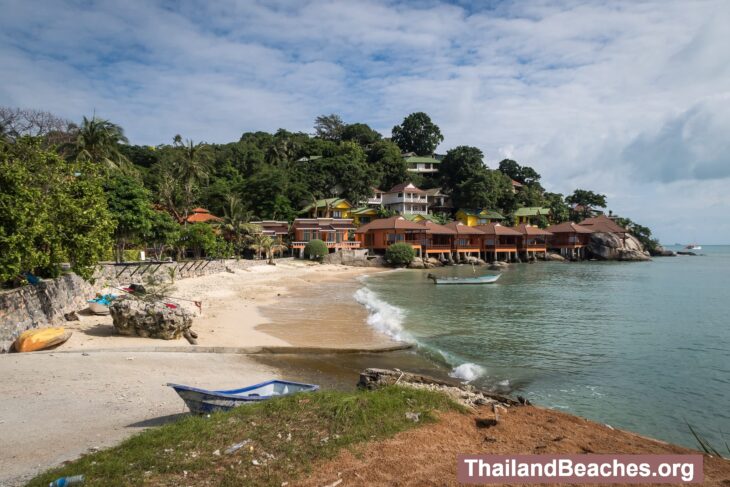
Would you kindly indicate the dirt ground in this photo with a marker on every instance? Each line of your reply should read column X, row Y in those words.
column 426, row 456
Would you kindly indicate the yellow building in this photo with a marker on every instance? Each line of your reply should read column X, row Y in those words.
column 530, row 215
column 472, row 218
column 361, row 216
column 329, row 208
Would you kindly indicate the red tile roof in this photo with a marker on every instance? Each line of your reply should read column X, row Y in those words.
column 392, row 223
column 201, row 215
column 462, row 229
column 436, row 229
column 403, row 187
column 568, row 227
column 497, row 229
column 531, row 230
column 602, row 223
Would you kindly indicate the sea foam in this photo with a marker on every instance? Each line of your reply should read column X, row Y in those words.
column 467, row 372
column 382, row 316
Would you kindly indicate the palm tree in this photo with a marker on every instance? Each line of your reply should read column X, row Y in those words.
column 193, row 167
column 236, row 222
column 260, row 244
column 276, row 247
column 99, row 140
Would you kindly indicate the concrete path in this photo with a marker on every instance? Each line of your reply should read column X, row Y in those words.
column 54, row 407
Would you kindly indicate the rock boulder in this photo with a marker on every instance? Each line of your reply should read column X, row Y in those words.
column 610, row 246
column 554, row 257
column 150, row 320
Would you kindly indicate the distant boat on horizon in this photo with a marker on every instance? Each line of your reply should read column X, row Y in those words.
column 693, row 246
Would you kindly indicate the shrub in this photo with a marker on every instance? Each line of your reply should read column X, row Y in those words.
column 315, row 250
column 400, row 254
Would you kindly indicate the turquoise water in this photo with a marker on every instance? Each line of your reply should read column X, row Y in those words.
column 641, row 346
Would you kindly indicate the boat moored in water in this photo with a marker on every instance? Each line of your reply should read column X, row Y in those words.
column 487, row 279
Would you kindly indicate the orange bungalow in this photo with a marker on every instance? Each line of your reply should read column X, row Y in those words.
column 569, row 238
column 500, row 240
column 201, row 215
column 533, row 241
column 439, row 238
column 335, row 232
column 379, row 234
column 468, row 240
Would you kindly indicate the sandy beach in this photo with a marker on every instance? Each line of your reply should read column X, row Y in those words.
column 99, row 388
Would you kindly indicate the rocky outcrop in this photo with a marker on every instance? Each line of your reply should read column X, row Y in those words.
column 150, row 320
column 498, row 265
column 610, row 246
column 417, row 263
column 660, row 251
column 354, row 258
column 554, row 257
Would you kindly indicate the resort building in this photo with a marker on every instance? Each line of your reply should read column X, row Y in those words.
column 472, row 218
column 363, row 215
column 439, row 239
column 438, row 202
column 499, row 241
column 337, row 233
column 328, row 208
column 467, row 240
column 378, row 235
column 201, row 215
column 516, row 186
column 419, row 217
column 406, row 199
column 421, row 164
column 376, row 199
column 276, row 229
column 530, row 215
column 533, row 241
column 604, row 224
column 569, row 238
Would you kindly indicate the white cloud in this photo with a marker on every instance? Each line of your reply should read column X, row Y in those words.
column 626, row 98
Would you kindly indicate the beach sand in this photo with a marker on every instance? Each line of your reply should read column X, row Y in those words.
column 260, row 306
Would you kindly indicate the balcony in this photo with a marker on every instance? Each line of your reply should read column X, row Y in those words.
column 330, row 245
column 501, row 248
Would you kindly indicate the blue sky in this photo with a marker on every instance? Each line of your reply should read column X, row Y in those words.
column 631, row 99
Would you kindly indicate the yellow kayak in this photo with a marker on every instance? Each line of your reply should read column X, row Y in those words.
column 41, row 338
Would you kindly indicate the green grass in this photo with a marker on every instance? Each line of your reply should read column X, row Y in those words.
column 287, row 436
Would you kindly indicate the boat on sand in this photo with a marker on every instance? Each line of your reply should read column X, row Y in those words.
column 203, row 401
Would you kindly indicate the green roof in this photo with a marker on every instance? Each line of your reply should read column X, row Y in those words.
column 412, row 217
column 421, row 159
column 323, row 203
column 532, row 211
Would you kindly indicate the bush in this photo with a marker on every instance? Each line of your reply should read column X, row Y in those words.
column 400, row 254
column 315, row 250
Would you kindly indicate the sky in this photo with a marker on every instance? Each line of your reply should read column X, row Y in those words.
column 626, row 98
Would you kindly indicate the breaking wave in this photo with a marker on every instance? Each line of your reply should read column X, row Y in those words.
column 382, row 316
column 467, row 372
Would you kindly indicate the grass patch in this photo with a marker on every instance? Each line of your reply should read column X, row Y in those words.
column 287, row 435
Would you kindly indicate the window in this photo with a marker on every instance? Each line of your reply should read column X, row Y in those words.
column 400, row 195
column 336, row 214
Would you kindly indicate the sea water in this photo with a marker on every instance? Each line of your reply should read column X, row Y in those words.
column 643, row 346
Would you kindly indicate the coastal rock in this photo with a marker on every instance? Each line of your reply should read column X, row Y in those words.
column 434, row 262
column 660, row 251
column 498, row 265
column 461, row 393
column 610, row 246
column 353, row 258
column 554, row 257
column 474, row 261
column 417, row 264
column 150, row 320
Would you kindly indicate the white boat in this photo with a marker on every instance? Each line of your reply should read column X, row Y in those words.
column 693, row 246
column 487, row 279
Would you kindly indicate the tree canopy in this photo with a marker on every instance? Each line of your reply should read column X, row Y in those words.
column 417, row 133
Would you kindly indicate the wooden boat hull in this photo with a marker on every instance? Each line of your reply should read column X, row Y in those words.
column 40, row 339
column 203, row 401
column 467, row 280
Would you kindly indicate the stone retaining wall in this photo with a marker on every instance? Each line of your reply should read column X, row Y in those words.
column 45, row 304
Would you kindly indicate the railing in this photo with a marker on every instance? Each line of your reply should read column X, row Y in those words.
column 438, row 246
column 501, row 248
column 537, row 246
column 330, row 245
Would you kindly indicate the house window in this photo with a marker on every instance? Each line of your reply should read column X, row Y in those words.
column 336, row 214
column 400, row 195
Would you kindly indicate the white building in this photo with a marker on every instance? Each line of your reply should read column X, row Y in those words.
column 406, row 199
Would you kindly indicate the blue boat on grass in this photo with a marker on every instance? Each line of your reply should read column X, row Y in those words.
column 203, row 401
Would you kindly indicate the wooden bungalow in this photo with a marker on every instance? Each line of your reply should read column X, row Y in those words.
column 531, row 215
column 379, row 234
column 468, row 240
column 472, row 218
column 328, row 208
column 439, row 239
column 499, row 240
column 569, row 239
column 278, row 230
column 363, row 215
column 604, row 224
column 533, row 241
column 335, row 232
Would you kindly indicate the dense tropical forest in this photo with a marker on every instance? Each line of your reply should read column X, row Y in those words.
column 81, row 193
